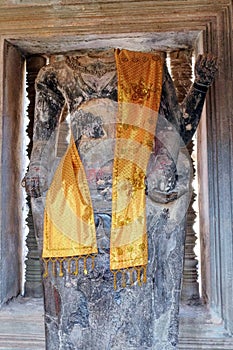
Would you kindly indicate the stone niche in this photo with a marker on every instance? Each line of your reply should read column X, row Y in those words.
column 15, row 52
column 55, row 27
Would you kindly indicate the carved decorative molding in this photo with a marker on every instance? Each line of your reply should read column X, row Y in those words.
column 181, row 69
column 33, row 286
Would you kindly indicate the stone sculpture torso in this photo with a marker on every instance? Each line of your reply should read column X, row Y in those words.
column 83, row 311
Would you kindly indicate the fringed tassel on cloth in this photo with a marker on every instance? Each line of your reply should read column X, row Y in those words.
column 72, row 264
column 130, row 276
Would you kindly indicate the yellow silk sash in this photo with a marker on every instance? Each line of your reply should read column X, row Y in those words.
column 69, row 228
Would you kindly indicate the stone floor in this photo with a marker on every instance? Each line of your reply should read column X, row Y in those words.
column 21, row 327
column 201, row 330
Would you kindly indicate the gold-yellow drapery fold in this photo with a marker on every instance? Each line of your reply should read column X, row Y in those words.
column 139, row 93
column 69, row 229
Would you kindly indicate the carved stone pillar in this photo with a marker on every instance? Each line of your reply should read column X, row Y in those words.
column 33, row 286
column 181, row 68
column 190, row 289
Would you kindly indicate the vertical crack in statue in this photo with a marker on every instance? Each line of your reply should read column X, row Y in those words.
column 111, row 231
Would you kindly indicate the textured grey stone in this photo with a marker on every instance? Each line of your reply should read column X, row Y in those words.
column 84, row 311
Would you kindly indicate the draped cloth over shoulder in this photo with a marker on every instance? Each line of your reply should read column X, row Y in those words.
column 69, row 228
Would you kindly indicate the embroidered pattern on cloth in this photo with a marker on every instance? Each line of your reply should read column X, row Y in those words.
column 69, row 228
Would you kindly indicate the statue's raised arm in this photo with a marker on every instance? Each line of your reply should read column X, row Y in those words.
column 205, row 71
column 176, row 127
column 186, row 116
column 49, row 105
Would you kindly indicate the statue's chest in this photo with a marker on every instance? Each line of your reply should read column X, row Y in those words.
column 83, row 83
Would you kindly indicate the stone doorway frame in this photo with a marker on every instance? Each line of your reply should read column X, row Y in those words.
column 172, row 24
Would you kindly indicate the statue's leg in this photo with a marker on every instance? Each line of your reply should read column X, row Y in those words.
column 167, row 284
column 51, row 298
column 86, row 313
column 167, row 237
column 166, row 246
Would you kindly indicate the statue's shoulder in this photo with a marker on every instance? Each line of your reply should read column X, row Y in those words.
column 51, row 71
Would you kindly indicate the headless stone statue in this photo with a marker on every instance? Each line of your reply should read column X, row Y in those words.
column 84, row 311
